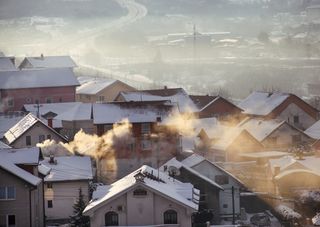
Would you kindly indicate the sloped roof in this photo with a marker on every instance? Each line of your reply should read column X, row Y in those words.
column 81, row 111
column 174, row 162
column 165, row 91
column 4, row 146
column 109, row 113
column 94, row 86
column 7, row 121
column 260, row 128
column 68, row 168
column 24, row 125
column 316, row 219
column 6, row 64
column 37, row 78
column 227, row 138
column 57, row 108
column 50, row 62
column 20, row 173
column 262, row 103
column 202, row 100
column 22, row 156
column 314, row 130
column 182, row 193
column 179, row 97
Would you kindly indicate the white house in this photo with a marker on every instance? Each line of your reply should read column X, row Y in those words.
column 67, row 175
column 145, row 197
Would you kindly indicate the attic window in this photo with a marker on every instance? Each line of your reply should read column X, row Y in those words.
column 296, row 119
column 140, row 192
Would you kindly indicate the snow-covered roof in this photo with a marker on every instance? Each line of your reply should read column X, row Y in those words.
column 262, row 103
column 68, row 168
column 293, row 171
column 21, row 127
column 259, row 128
column 182, row 193
column 314, row 130
column 174, row 162
column 57, row 108
column 37, row 78
column 94, row 86
column 22, row 156
column 6, row 64
column 227, row 138
column 24, row 125
column 44, row 170
column 7, row 121
column 81, row 111
column 264, row 154
column 109, row 113
column 4, row 146
column 308, row 163
column 9, row 166
column 316, row 219
column 287, row 212
column 50, row 62
column 181, row 99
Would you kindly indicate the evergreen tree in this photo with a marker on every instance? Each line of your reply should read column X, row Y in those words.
column 77, row 219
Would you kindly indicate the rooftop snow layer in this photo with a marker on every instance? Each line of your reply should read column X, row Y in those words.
column 68, row 168
column 22, row 174
column 7, row 121
column 94, row 86
column 180, row 192
column 51, row 62
column 22, row 126
column 6, row 64
column 22, row 156
column 38, row 78
column 314, row 130
column 262, row 103
column 4, row 146
column 81, row 111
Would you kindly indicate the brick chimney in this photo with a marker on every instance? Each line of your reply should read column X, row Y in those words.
column 50, row 122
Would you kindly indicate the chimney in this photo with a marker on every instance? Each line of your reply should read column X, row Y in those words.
column 159, row 119
column 165, row 87
column 42, row 57
column 276, row 170
column 50, row 122
column 51, row 161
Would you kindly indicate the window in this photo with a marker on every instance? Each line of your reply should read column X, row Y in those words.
column 28, row 100
column 145, row 128
column 10, row 102
column 139, row 192
column 41, row 138
column 170, row 217
column 107, row 127
column 60, row 99
column 225, row 206
column 111, row 219
column 11, row 220
column 221, row 179
column 48, row 137
column 145, row 144
column 50, row 204
column 28, row 140
column 7, row 193
column 48, row 100
column 101, row 98
column 49, row 185
column 296, row 119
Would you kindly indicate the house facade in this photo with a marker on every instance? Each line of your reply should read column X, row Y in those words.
column 21, row 188
column 143, row 198
column 62, row 184
column 36, row 86
column 101, row 90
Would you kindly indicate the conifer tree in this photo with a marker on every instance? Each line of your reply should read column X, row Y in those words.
column 78, row 219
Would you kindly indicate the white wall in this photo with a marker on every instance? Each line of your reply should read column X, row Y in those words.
column 63, row 196
column 141, row 210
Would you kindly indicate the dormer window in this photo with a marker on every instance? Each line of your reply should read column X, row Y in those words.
column 140, row 192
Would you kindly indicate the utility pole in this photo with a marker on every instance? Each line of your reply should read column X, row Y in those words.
column 38, row 108
column 233, row 210
column 194, row 42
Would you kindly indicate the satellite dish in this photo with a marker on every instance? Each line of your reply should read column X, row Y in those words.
column 173, row 171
